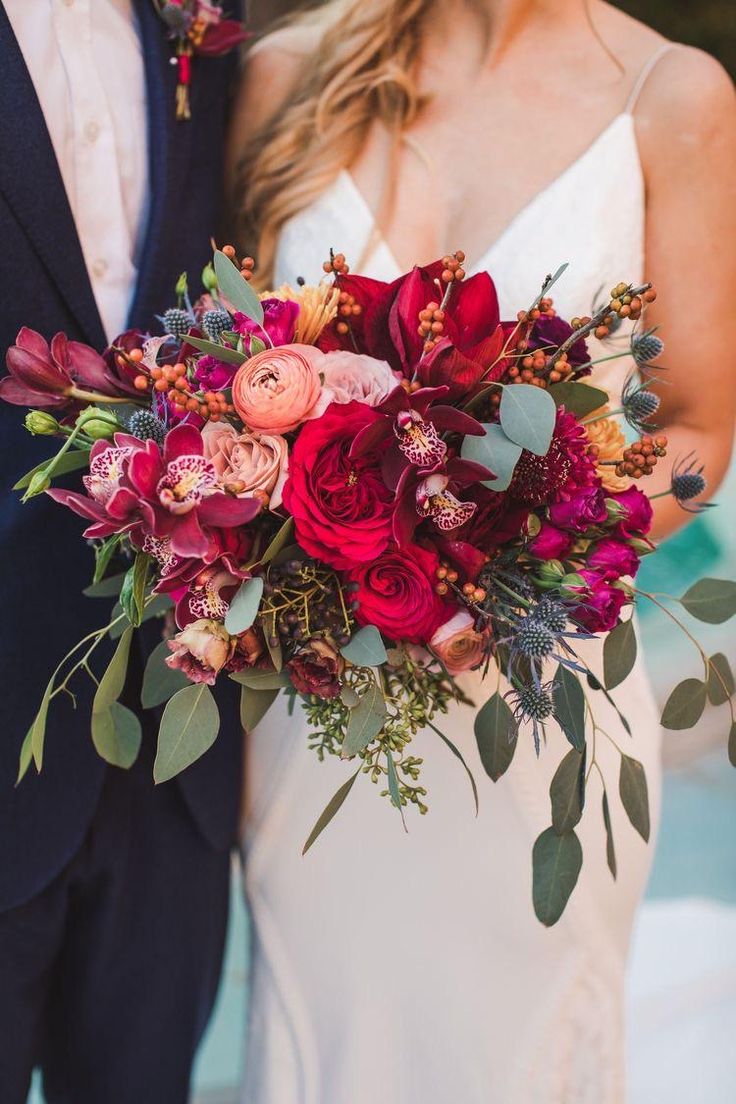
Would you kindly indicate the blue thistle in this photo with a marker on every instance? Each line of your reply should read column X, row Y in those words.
column 552, row 615
column 646, row 347
column 146, row 426
column 639, row 405
column 533, row 704
column 688, row 482
column 215, row 323
column 533, row 639
column 177, row 322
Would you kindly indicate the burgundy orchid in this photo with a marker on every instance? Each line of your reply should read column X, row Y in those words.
column 49, row 376
column 431, row 496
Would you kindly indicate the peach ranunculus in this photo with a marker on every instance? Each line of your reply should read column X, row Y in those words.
column 201, row 650
column 247, row 463
column 458, row 644
column 275, row 390
column 351, row 376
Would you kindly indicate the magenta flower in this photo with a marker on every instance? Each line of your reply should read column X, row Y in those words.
column 613, row 559
column 178, row 492
column 582, row 510
column 565, row 469
column 47, row 376
column 550, row 543
column 110, row 503
column 601, row 603
column 279, row 322
column 214, row 374
column 637, row 512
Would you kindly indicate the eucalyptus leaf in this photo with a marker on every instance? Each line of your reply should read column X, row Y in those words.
column 595, row 684
column 69, row 462
column 25, row 757
column 278, row 541
column 568, row 699
column 117, row 735
column 106, row 588
column 155, row 607
column 556, row 864
column 365, row 648
column 632, row 787
column 393, row 786
column 528, row 416
column 244, row 606
column 103, row 554
column 38, row 728
column 366, row 720
column 610, row 849
column 112, row 682
column 254, row 704
column 578, row 398
column 213, row 348
column 732, row 744
column 188, row 728
column 133, row 590
column 496, row 734
column 160, row 681
column 459, row 755
column 235, row 289
column 349, row 697
column 495, row 451
column 566, row 791
column 332, row 807
column 711, row 600
column 274, row 651
column 720, row 679
column 619, row 653
column 685, row 705
column 261, row 680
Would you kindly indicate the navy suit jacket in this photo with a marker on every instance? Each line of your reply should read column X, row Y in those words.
column 45, row 562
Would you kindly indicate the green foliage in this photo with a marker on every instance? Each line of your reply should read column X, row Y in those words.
column 188, row 728
column 720, row 679
column 578, row 398
column 619, row 654
column 528, row 416
column 496, row 733
column 235, row 289
column 711, row 600
column 243, row 609
column 610, row 849
column 556, row 864
column 261, row 680
column 117, row 735
column 685, row 705
column 458, row 755
column 254, row 704
column 332, row 807
column 133, row 590
column 103, row 554
column 159, row 680
column 568, row 699
column 366, row 648
column 495, row 451
column 72, row 460
column 567, row 791
column 222, row 352
column 365, row 721
column 632, row 788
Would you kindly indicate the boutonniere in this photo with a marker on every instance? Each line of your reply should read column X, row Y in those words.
column 196, row 27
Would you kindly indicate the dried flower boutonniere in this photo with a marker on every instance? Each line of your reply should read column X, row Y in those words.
column 196, row 27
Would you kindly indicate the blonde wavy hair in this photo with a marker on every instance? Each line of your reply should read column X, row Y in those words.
column 364, row 71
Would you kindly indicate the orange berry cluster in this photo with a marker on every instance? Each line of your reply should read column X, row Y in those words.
column 336, row 264
column 452, row 267
column 445, row 575
column 347, row 308
column 431, row 325
column 410, row 386
column 533, row 369
column 474, row 593
column 624, row 305
column 641, row 458
column 246, row 265
column 173, row 380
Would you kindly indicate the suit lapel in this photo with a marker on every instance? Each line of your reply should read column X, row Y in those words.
column 32, row 185
column 169, row 145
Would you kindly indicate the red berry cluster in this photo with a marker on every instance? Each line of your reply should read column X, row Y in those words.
column 336, row 265
column 246, row 265
column 452, row 267
column 173, row 380
column 347, row 309
column 431, row 325
column 624, row 304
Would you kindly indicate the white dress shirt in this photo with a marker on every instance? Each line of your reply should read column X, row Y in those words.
column 85, row 61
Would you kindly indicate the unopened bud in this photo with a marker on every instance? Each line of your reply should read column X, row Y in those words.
column 39, row 483
column 41, row 423
column 181, row 285
column 98, row 424
column 548, row 574
column 209, row 280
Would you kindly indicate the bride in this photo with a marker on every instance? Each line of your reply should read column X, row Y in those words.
column 411, row 969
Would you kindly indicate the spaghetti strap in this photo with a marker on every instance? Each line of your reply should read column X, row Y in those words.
column 644, row 74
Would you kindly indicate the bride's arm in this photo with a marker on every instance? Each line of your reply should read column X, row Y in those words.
column 686, row 127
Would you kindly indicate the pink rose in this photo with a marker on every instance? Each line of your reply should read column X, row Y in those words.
column 601, row 603
column 613, row 559
column 348, row 376
column 247, row 463
column 458, row 645
column 636, row 510
column 274, row 391
column 201, row 650
column 550, row 543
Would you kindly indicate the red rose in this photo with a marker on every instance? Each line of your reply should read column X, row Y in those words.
column 342, row 507
column 397, row 595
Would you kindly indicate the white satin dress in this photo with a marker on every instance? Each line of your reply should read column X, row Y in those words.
column 410, row 969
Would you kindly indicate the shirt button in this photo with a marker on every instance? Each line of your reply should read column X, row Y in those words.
column 92, row 131
column 99, row 267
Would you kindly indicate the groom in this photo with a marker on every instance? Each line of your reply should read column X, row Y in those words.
column 113, row 892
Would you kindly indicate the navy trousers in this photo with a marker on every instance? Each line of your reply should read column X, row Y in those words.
column 108, row 976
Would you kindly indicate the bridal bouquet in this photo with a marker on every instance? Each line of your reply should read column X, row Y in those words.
column 351, row 493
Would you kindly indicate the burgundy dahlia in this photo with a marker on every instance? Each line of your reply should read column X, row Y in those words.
column 563, row 470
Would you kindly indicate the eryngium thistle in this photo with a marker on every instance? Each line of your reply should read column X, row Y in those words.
column 551, row 614
column 177, row 322
column 146, row 426
column 639, row 405
column 533, row 639
column 689, row 483
column 646, row 347
column 534, row 703
column 215, row 323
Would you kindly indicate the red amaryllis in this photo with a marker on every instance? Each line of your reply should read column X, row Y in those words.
column 178, row 495
column 386, row 326
column 341, row 505
column 52, row 375
column 566, row 467
column 396, row 593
